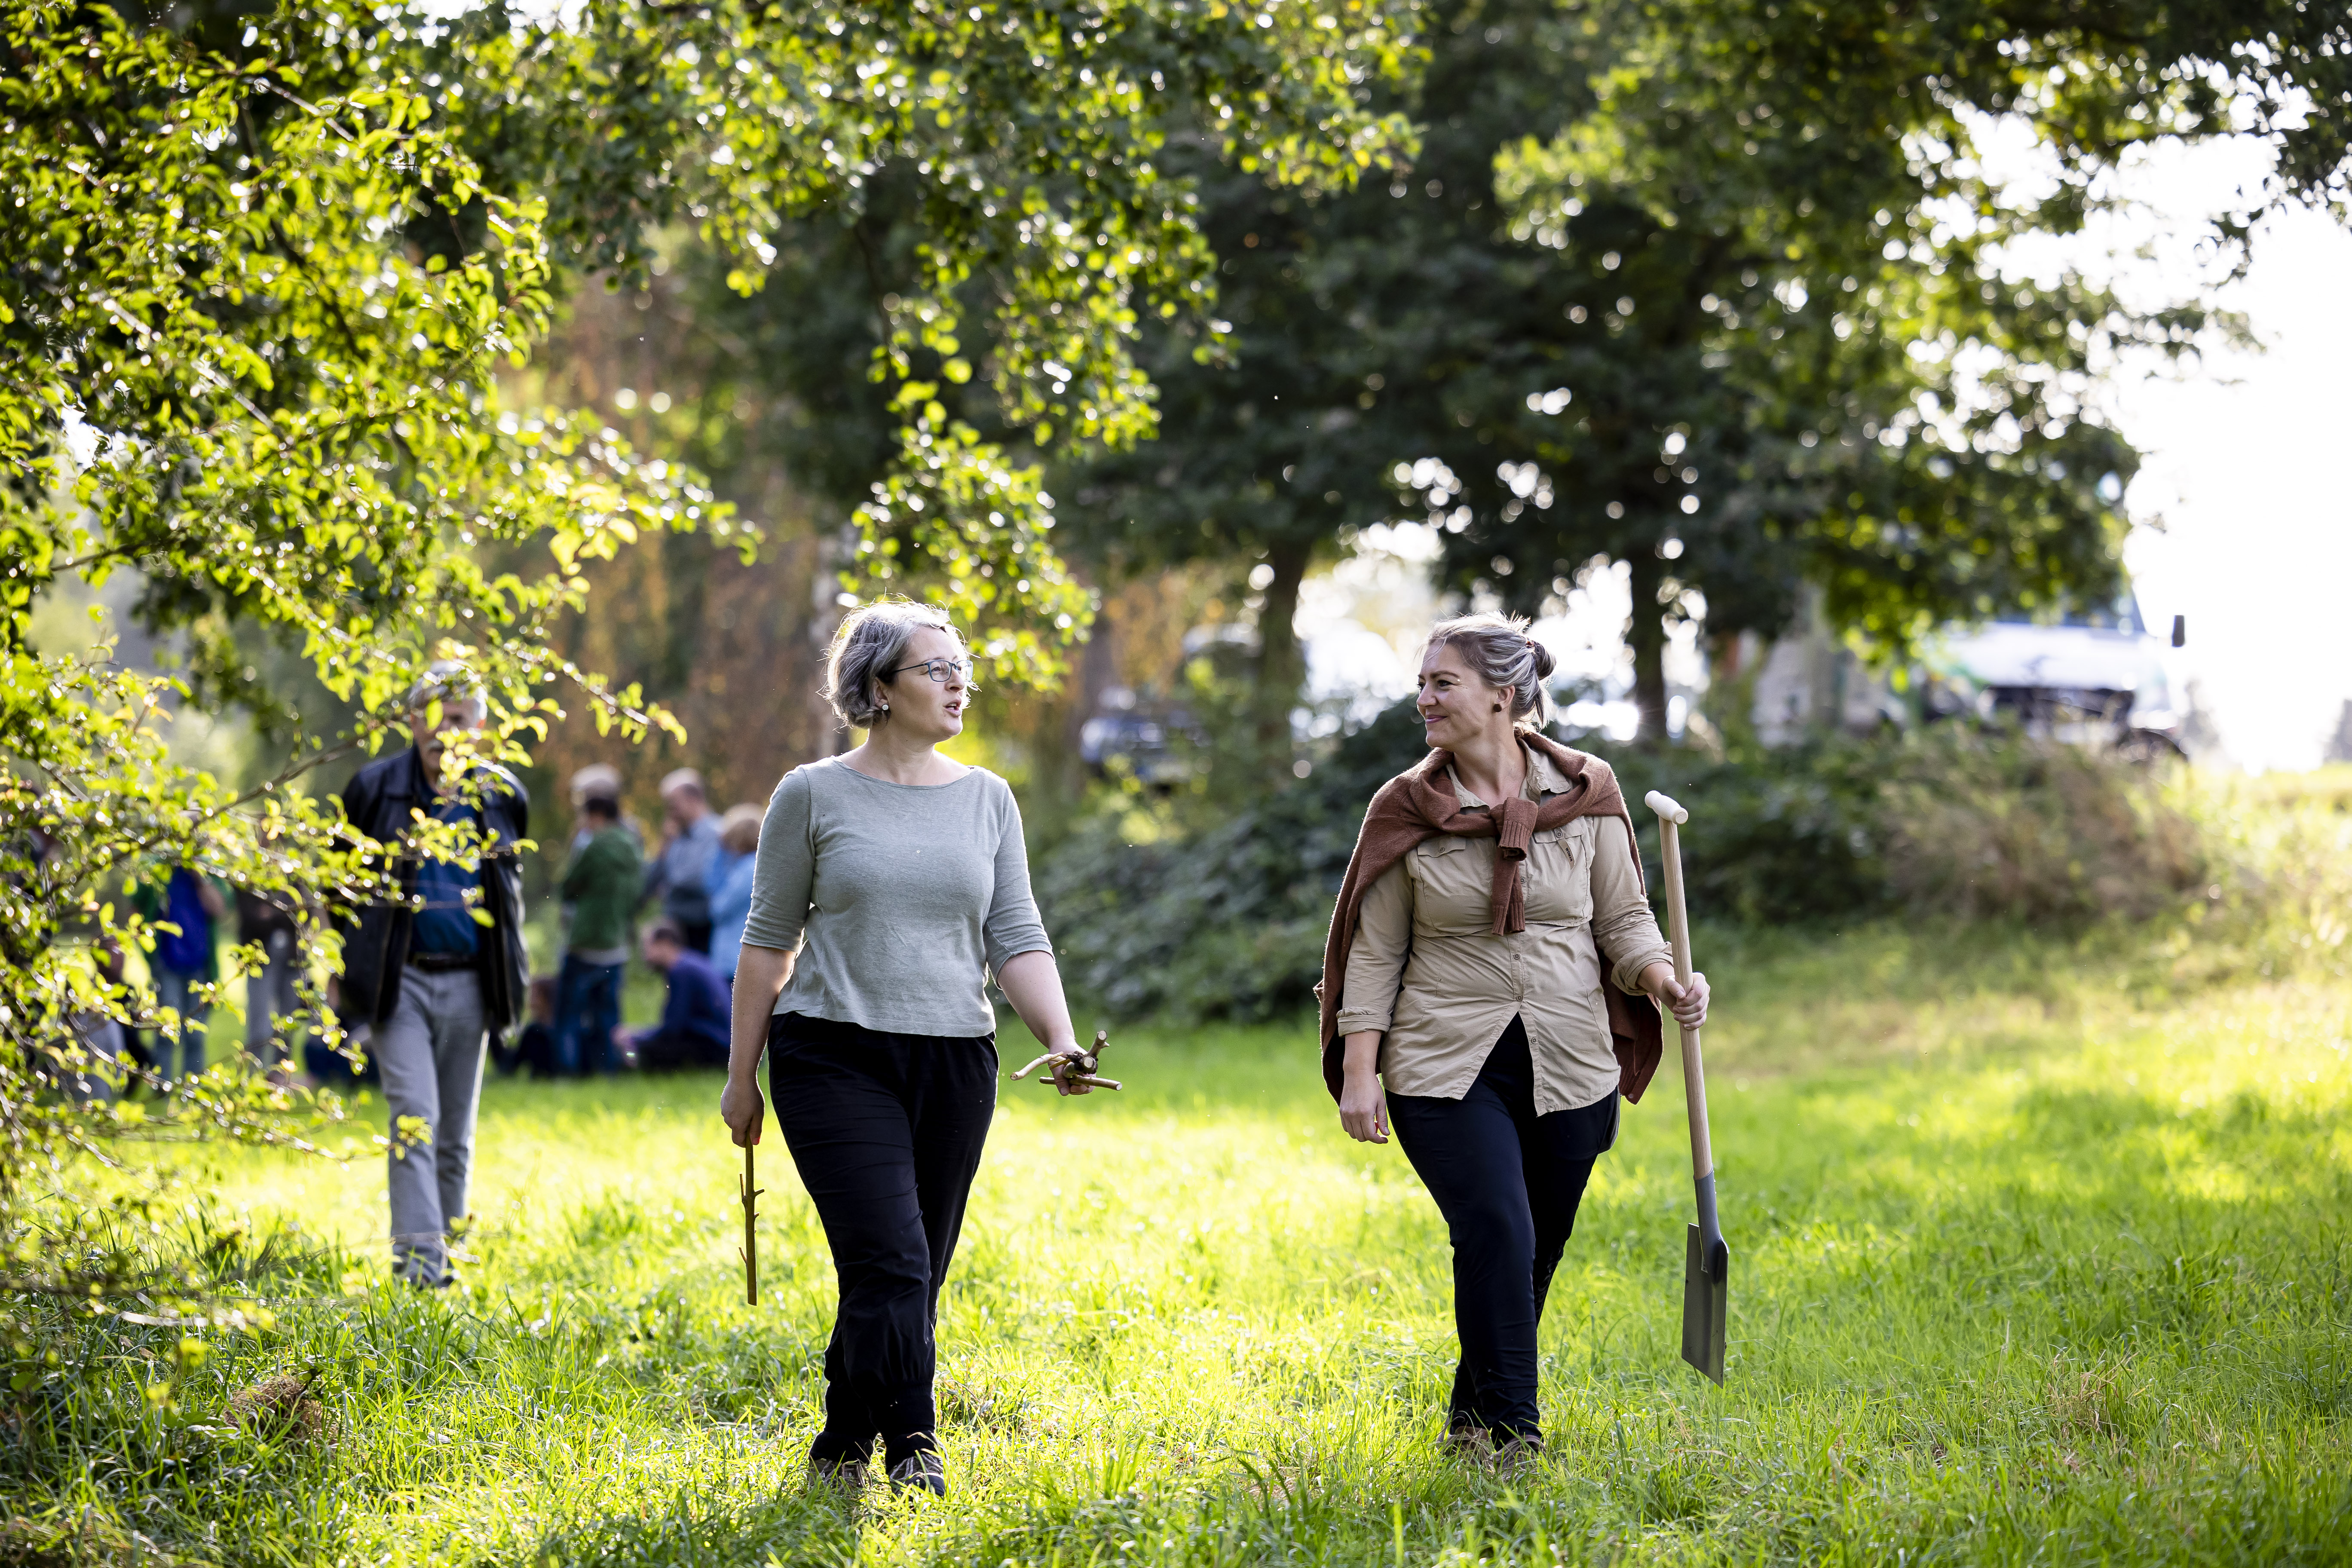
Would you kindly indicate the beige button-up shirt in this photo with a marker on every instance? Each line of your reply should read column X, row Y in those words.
column 1428, row 972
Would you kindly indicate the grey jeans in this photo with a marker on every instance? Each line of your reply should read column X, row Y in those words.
column 430, row 1055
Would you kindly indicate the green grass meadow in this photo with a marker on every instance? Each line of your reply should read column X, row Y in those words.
column 2040, row 1253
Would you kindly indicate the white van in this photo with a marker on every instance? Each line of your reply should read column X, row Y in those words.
column 2088, row 675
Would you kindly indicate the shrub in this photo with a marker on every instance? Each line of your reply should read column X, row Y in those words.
column 1195, row 909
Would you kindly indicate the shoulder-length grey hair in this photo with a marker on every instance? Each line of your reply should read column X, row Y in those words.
column 870, row 640
column 1499, row 650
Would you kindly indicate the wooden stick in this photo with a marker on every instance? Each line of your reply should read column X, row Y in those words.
column 748, row 1186
column 1085, row 1062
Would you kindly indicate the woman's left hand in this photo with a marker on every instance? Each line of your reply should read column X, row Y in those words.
column 1687, row 1003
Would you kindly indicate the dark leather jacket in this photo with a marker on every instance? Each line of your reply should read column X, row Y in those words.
column 379, row 801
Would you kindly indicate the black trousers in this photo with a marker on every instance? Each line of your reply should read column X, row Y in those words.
column 675, row 1050
column 1509, row 1183
column 887, row 1132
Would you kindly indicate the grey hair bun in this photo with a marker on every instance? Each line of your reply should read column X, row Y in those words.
column 1499, row 649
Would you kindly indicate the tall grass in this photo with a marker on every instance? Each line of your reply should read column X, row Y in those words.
column 2038, row 1256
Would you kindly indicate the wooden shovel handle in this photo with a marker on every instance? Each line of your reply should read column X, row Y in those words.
column 1671, row 816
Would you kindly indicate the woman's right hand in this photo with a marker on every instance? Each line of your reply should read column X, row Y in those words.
column 743, row 1109
column 1363, row 1110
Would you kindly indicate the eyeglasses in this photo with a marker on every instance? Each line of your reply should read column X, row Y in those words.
column 938, row 669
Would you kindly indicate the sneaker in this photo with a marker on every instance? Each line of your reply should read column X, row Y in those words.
column 847, row 1475
column 922, row 1471
column 1518, row 1456
column 1468, row 1443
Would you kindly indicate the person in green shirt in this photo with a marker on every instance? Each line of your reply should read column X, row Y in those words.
column 601, row 884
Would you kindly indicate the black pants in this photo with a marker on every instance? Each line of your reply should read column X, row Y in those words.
column 1507, row 1182
column 887, row 1132
column 675, row 1050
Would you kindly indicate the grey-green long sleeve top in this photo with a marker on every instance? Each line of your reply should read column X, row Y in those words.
column 904, row 899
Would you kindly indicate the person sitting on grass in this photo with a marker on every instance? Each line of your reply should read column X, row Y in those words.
column 694, row 1023
column 892, row 882
column 533, row 1049
column 1494, row 960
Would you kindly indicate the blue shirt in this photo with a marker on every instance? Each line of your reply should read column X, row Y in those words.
column 699, row 1005
column 731, row 906
column 444, row 925
column 681, row 872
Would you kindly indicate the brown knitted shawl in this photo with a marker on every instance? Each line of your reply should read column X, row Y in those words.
column 1419, row 803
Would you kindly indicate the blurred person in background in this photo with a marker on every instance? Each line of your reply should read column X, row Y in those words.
column 892, row 886
column 94, row 1075
column 1493, row 960
column 681, row 874
column 533, row 1050
column 271, row 992
column 183, row 959
column 604, row 779
column 600, row 888
column 730, row 897
column 693, row 1028
column 431, row 982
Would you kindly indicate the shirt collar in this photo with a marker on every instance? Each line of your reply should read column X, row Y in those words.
column 1543, row 778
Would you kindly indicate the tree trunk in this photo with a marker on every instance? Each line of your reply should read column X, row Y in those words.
column 1094, row 670
column 1645, row 632
column 1281, row 662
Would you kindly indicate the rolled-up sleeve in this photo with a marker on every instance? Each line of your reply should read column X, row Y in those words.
column 784, row 870
column 1013, row 926
column 1376, row 960
column 1622, row 926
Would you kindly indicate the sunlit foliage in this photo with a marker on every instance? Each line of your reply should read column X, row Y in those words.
column 256, row 301
column 225, row 376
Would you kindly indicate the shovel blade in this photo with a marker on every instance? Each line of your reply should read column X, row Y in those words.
column 1707, row 1289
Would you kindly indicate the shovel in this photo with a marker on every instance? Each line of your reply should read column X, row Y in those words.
column 1706, row 1269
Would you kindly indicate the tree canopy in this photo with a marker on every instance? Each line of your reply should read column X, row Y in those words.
column 1714, row 289
column 257, row 302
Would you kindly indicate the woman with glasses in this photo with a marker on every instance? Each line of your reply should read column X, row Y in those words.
column 891, row 884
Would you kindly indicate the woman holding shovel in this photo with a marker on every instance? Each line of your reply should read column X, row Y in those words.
column 1494, row 962
column 891, row 883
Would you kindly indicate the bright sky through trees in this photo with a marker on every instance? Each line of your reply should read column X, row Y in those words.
column 2242, row 508
column 2243, row 519
column 2246, row 465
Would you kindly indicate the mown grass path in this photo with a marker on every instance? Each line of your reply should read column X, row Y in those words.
column 2035, row 1259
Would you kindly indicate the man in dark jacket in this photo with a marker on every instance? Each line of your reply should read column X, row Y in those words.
column 427, row 978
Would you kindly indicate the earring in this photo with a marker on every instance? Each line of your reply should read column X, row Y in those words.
column 1498, row 708
column 886, row 708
